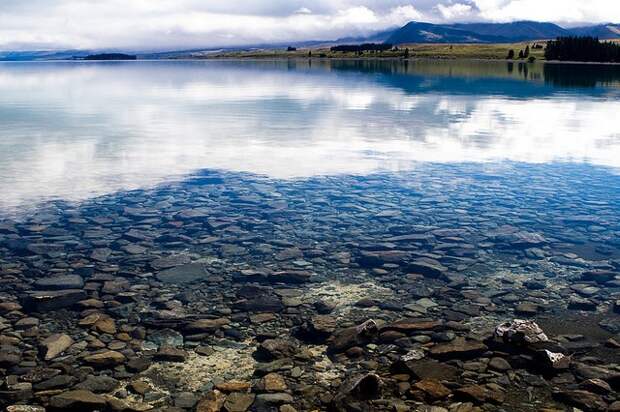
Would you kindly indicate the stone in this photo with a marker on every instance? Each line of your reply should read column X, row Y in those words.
column 60, row 282
column 206, row 325
column 98, row 384
column 355, row 336
column 80, row 399
column 458, row 349
column 213, row 401
column 169, row 354
column 427, row 267
column 105, row 359
column 272, row 349
column 46, row 301
column 520, row 332
column 234, row 386
column 426, row 369
column 55, row 345
column 239, row 402
column 499, row 364
column 584, row 400
column 192, row 272
column 433, row 389
column 25, row 408
column 273, row 382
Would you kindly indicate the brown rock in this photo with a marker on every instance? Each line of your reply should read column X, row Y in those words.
column 104, row 359
column 212, row 402
column 81, row 400
column 55, row 345
column 433, row 389
column 233, row 386
column 458, row 349
column 273, row 382
column 239, row 402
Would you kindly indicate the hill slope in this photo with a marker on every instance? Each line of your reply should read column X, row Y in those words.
column 415, row 32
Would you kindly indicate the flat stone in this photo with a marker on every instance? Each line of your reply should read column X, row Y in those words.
column 433, row 389
column 239, row 402
column 192, row 272
column 105, row 359
column 55, row 345
column 78, row 400
column 458, row 349
column 60, row 282
column 45, row 301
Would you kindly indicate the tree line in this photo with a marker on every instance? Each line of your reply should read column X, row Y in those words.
column 582, row 49
column 362, row 47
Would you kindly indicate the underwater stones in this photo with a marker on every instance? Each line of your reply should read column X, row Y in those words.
column 266, row 303
column 43, row 301
column 170, row 354
column 409, row 326
column 168, row 262
column 60, row 282
column 576, row 303
column 599, row 276
column 427, row 267
column 206, row 325
column 584, row 400
column 213, row 401
column 55, row 345
column 192, row 272
column 425, row 369
column 80, row 400
column 433, row 389
column 105, row 359
column 239, row 402
column 520, row 332
column 272, row 349
column 354, row 336
column 9, row 356
column 458, row 349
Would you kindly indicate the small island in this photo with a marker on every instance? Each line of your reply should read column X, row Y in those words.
column 111, row 56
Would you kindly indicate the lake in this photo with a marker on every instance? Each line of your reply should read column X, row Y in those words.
column 349, row 228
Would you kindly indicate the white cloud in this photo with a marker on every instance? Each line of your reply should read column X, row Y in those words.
column 163, row 24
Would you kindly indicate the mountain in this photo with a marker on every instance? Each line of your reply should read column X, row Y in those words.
column 603, row 31
column 416, row 32
column 518, row 30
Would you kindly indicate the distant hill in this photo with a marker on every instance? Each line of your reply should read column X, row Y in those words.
column 603, row 31
column 518, row 30
column 110, row 56
column 416, row 32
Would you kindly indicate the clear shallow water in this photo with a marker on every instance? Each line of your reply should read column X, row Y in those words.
column 72, row 131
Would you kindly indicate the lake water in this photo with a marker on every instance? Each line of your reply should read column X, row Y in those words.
column 72, row 131
column 221, row 215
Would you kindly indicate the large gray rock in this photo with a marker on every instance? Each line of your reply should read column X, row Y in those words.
column 60, row 282
column 192, row 272
column 44, row 301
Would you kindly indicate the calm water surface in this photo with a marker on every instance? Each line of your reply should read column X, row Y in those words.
column 73, row 131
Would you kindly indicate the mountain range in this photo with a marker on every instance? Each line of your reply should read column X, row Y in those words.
column 418, row 32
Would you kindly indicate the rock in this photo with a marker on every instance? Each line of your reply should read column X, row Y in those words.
column 527, row 309
column 576, row 303
column 411, row 325
column 78, row 400
column 192, row 272
column 105, row 359
column 170, row 262
column 46, row 301
column 9, row 356
column 55, row 345
column 354, row 336
column 599, row 276
column 584, row 400
column 474, row 393
column 272, row 382
column 318, row 328
column 597, row 386
column 60, row 282
column 433, row 389
column 426, row 369
column 427, row 267
column 499, row 364
column 239, row 402
column 98, row 384
column 234, row 386
column 362, row 387
column 274, row 398
column 552, row 361
column 206, row 325
column 213, row 401
column 169, row 354
column 268, row 303
column 25, row 408
column 273, row 349
column 520, row 332
column 458, row 349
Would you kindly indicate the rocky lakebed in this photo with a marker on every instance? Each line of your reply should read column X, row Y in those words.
column 447, row 288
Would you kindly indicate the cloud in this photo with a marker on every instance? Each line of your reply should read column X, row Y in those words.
column 163, row 24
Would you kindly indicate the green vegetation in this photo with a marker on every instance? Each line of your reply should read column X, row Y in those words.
column 582, row 49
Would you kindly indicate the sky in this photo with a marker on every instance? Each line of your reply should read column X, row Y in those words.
column 141, row 25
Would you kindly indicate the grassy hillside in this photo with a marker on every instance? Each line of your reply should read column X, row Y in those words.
column 437, row 51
